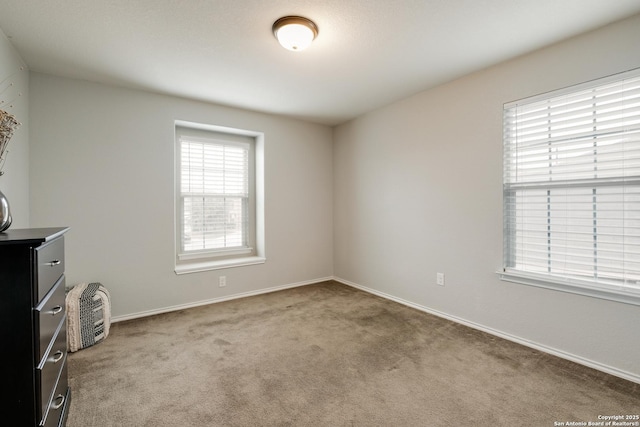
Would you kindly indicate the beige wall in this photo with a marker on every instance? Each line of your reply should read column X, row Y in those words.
column 102, row 163
column 14, row 94
column 418, row 190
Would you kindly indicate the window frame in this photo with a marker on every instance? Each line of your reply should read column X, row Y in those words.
column 213, row 259
column 592, row 288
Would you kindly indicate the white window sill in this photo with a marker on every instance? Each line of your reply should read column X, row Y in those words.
column 195, row 267
column 612, row 293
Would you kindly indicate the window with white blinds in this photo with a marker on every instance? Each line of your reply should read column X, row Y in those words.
column 215, row 201
column 572, row 189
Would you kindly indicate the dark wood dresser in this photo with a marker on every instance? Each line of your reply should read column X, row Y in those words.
column 34, row 332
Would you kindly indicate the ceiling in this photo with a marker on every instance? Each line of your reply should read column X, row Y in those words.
column 368, row 53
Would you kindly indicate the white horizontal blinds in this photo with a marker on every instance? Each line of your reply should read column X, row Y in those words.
column 572, row 184
column 214, row 187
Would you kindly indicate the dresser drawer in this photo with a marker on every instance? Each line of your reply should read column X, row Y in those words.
column 49, row 314
column 50, row 367
column 50, row 261
column 59, row 402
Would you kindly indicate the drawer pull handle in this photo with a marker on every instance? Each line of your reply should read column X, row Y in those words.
column 57, row 356
column 55, row 310
column 57, row 402
column 53, row 263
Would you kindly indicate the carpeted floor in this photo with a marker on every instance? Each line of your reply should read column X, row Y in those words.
column 327, row 355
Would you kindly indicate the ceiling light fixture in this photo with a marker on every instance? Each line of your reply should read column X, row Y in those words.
column 295, row 32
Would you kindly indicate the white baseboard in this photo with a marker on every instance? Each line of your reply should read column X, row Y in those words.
column 215, row 300
column 564, row 355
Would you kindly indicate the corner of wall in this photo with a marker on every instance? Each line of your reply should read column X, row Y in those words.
column 14, row 98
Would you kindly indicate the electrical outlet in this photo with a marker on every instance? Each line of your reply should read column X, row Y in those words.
column 222, row 281
column 440, row 279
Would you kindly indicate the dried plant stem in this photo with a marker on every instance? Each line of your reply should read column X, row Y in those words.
column 8, row 124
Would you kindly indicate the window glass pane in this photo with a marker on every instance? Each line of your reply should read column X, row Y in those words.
column 214, row 223
column 572, row 184
column 214, row 185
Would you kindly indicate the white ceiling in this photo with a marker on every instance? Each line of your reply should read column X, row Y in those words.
column 368, row 53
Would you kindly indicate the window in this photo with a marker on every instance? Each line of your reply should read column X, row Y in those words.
column 218, row 214
column 572, row 189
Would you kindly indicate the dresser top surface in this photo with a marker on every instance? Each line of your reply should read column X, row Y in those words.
column 30, row 235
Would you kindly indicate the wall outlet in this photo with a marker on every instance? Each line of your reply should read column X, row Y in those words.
column 222, row 281
column 440, row 279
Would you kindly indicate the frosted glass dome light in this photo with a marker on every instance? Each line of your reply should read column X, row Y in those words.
column 295, row 32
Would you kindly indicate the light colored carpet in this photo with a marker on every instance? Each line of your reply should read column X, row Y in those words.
column 327, row 355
